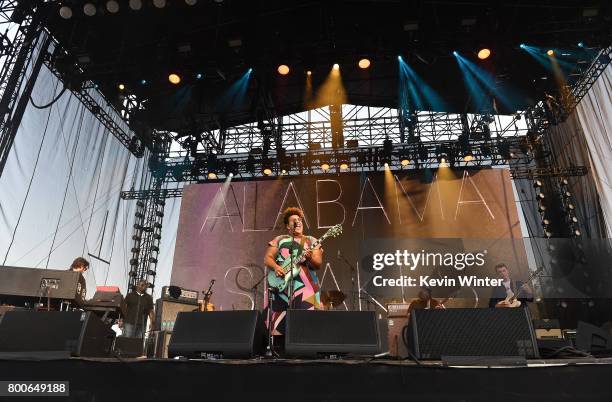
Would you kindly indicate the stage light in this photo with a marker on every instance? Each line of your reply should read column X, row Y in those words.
column 143, row 82
column 267, row 171
column 545, row 222
column 212, row 175
column 386, row 165
column 199, row 76
column 484, row 53
column 159, row 3
column 580, row 44
column 65, row 12
column 336, row 66
column 577, row 232
column 399, row 58
column 135, row 4
column 455, row 53
column 468, row 157
column 364, row 63
column 574, row 219
column 231, row 175
column 191, row 2
column 405, row 161
column 174, row 78
column 537, row 183
column 112, row 6
column 570, row 206
column 343, row 163
column 89, row 9
column 542, row 208
column 283, row 172
column 522, row 46
column 325, row 166
column 568, row 194
column 121, row 87
column 283, row 69
column 550, row 52
column 308, row 72
column 541, row 196
column 564, row 182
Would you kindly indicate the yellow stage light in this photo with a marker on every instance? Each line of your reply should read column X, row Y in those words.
column 484, row 53
column 283, row 69
column 174, row 78
column 364, row 63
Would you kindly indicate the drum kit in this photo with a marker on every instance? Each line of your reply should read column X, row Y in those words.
column 331, row 298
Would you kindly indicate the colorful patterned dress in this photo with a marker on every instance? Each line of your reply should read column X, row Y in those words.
column 307, row 294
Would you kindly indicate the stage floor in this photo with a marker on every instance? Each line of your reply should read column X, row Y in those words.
column 582, row 379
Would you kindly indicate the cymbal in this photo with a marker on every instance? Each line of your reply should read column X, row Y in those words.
column 332, row 297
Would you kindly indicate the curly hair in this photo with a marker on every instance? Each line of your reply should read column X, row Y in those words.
column 287, row 213
column 79, row 262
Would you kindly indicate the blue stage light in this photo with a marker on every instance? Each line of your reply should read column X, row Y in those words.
column 455, row 53
column 580, row 44
column 143, row 82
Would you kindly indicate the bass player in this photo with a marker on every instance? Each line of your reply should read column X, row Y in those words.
column 303, row 293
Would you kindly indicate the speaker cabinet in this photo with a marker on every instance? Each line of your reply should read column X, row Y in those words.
column 162, row 339
column 75, row 333
column 315, row 332
column 166, row 312
column 434, row 334
column 230, row 334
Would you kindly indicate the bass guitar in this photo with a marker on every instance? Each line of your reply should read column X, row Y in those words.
column 279, row 283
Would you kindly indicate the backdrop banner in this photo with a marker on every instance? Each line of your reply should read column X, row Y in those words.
column 224, row 230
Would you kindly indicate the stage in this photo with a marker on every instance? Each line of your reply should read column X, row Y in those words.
column 582, row 379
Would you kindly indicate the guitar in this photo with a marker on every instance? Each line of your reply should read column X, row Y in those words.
column 280, row 283
column 512, row 300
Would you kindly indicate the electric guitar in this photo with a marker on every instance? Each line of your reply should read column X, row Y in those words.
column 292, row 271
column 512, row 300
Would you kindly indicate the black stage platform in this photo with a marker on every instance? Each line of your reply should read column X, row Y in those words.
column 314, row 380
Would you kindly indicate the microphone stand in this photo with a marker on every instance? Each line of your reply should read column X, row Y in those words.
column 347, row 262
column 291, row 278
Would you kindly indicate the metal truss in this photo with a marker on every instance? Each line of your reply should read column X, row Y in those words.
column 146, row 194
column 416, row 155
column 146, row 237
column 17, row 43
column 588, row 78
column 368, row 125
column 93, row 101
column 536, row 173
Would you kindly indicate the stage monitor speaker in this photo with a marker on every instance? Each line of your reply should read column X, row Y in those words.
column 434, row 334
column 128, row 347
column 316, row 332
column 38, row 333
column 230, row 334
column 592, row 339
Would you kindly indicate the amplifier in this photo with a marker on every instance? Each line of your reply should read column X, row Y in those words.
column 397, row 310
column 20, row 285
column 177, row 294
column 547, row 329
column 166, row 312
column 162, row 339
